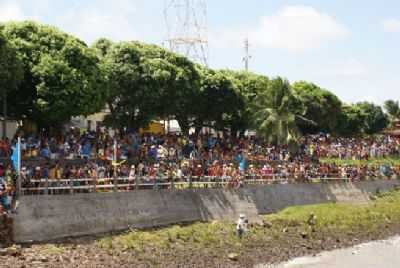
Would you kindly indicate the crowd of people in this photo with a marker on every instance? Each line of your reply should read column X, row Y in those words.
column 149, row 157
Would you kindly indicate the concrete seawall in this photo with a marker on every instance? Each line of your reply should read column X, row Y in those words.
column 42, row 218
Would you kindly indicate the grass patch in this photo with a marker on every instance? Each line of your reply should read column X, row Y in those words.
column 216, row 236
column 53, row 250
column 393, row 161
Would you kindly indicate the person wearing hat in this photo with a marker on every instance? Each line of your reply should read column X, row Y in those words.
column 241, row 226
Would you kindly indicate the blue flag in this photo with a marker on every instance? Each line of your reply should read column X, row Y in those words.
column 16, row 156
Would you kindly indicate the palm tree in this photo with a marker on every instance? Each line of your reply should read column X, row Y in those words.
column 393, row 109
column 276, row 111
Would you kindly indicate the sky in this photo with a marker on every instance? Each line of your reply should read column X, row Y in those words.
column 350, row 47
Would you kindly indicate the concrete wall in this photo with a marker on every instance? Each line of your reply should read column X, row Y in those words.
column 43, row 218
column 11, row 126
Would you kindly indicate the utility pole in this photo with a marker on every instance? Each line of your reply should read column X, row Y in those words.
column 247, row 56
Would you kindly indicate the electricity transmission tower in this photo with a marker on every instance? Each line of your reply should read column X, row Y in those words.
column 186, row 22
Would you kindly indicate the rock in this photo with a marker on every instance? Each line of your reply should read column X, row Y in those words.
column 304, row 235
column 233, row 256
column 43, row 259
column 11, row 251
column 3, row 252
column 285, row 230
column 267, row 224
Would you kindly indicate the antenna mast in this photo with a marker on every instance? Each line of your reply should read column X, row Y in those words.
column 186, row 22
column 247, row 56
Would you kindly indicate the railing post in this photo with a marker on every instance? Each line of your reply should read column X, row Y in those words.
column 172, row 183
column 115, row 180
column 137, row 178
column 46, row 191
column 94, row 181
column 71, row 184
column 190, row 182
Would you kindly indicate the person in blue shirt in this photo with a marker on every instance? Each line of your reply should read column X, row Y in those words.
column 86, row 149
column 45, row 152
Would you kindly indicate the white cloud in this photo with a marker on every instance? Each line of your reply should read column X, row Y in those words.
column 10, row 10
column 294, row 28
column 297, row 28
column 111, row 20
column 347, row 68
column 85, row 19
column 391, row 25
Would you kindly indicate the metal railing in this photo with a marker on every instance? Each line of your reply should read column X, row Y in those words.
column 123, row 184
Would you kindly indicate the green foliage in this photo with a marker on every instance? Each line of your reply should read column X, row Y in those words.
column 51, row 76
column 275, row 112
column 11, row 72
column 362, row 118
column 392, row 161
column 248, row 85
column 61, row 75
column 147, row 82
column 331, row 221
column 375, row 120
column 322, row 107
column 219, row 104
column 393, row 109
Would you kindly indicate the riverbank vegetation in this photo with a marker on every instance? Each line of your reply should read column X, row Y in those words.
column 292, row 232
column 391, row 161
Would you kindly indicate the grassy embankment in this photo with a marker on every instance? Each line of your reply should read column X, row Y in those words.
column 393, row 161
column 285, row 230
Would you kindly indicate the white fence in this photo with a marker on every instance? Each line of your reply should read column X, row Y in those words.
column 87, row 185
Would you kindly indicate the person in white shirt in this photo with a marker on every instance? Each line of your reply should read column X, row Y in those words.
column 241, row 226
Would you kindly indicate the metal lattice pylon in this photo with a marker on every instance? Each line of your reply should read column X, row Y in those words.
column 186, row 22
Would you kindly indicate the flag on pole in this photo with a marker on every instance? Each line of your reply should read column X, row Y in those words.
column 16, row 156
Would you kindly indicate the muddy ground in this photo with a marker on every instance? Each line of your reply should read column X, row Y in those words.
column 86, row 252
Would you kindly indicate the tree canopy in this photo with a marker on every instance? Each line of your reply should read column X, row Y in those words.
column 11, row 72
column 50, row 76
column 148, row 82
column 393, row 109
column 275, row 112
column 362, row 118
column 322, row 107
column 61, row 75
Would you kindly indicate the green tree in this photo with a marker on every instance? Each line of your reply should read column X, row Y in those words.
column 393, row 110
column 275, row 113
column 219, row 104
column 102, row 47
column 248, row 86
column 375, row 120
column 322, row 107
column 61, row 75
column 147, row 82
column 363, row 118
column 11, row 74
column 350, row 121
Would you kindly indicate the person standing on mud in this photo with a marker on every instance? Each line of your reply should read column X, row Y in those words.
column 241, row 226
